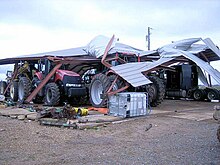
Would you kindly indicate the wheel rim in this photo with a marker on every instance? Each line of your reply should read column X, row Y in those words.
column 12, row 92
column 21, row 91
column 152, row 91
column 96, row 91
column 211, row 95
column 2, row 90
column 197, row 95
column 49, row 95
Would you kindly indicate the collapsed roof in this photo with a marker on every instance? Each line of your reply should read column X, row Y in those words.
column 93, row 50
column 180, row 51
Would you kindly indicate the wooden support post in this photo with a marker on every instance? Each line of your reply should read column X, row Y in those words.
column 41, row 85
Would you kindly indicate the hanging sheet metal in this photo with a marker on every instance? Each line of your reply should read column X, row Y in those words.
column 208, row 49
column 132, row 72
column 97, row 46
column 184, row 48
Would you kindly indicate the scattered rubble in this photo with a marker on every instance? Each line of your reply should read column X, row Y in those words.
column 32, row 116
column 21, row 117
column 170, row 140
column 148, row 127
column 2, row 129
column 67, row 116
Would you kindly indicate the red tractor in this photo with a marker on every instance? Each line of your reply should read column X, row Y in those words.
column 64, row 85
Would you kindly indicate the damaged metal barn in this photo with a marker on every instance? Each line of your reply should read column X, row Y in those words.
column 112, row 77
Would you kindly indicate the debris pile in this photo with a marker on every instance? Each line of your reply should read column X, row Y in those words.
column 64, row 117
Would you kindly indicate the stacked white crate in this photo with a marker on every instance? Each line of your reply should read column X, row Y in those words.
column 128, row 104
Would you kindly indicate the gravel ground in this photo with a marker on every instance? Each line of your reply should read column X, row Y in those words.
column 171, row 140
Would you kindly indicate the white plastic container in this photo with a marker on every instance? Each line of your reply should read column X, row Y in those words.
column 128, row 104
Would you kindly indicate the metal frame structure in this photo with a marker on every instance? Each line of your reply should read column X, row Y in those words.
column 77, row 62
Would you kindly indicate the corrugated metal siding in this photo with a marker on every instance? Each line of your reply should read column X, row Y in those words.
column 204, row 65
column 132, row 72
column 173, row 52
column 212, row 46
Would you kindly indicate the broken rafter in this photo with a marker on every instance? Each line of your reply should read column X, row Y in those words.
column 106, row 53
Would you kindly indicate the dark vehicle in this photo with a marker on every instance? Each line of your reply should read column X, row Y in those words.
column 183, row 83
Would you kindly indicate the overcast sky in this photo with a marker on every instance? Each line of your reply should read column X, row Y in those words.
column 32, row 26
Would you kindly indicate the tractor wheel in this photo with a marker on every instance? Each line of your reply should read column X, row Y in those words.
column 24, row 89
column 52, row 94
column 198, row 94
column 118, row 84
column 3, row 86
column 14, row 91
column 99, row 86
column 39, row 97
column 213, row 94
column 218, row 133
column 156, row 91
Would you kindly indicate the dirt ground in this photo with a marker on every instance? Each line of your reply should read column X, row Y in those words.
column 183, row 132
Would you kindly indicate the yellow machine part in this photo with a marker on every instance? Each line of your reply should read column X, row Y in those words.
column 81, row 111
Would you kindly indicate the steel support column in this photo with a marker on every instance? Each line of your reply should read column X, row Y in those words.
column 106, row 52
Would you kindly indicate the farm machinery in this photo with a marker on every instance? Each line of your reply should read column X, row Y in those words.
column 105, row 67
column 183, row 83
column 103, row 81
column 106, row 82
column 62, row 85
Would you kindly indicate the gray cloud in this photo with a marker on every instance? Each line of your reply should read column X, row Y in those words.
column 167, row 17
column 38, row 13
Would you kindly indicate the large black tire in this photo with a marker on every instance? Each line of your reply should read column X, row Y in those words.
column 40, row 95
column 24, row 89
column 14, row 91
column 156, row 91
column 212, row 94
column 52, row 94
column 3, row 86
column 199, row 94
column 99, row 86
